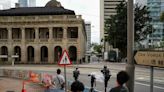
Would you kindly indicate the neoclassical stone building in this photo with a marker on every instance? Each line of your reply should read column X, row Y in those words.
column 40, row 34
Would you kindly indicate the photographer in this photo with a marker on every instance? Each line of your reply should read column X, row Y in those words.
column 76, row 74
column 105, row 71
column 93, row 81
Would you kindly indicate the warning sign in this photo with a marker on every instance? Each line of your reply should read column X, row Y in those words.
column 64, row 60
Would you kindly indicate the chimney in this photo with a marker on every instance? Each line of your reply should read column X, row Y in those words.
column 17, row 5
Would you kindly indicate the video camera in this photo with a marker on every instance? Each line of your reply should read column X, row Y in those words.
column 93, row 80
column 92, row 76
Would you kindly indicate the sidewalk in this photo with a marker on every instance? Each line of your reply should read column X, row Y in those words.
column 15, row 85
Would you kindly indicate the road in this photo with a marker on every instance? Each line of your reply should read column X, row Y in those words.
column 142, row 74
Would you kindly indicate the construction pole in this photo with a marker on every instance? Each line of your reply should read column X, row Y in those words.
column 130, row 68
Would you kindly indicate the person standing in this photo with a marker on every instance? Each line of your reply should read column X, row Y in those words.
column 93, row 81
column 59, row 81
column 122, row 77
column 76, row 74
column 105, row 71
column 77, row 86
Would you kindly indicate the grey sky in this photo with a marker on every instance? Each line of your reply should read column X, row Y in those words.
column 89, row 9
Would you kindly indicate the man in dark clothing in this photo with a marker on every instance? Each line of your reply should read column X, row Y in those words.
column 106, row 74
column 93, row 81
column 122, row 77
column 76, row 74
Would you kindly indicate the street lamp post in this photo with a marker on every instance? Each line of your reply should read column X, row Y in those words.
column 130, row 68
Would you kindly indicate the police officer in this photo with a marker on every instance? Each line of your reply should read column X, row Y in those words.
column 105, row 71
column 76, row 74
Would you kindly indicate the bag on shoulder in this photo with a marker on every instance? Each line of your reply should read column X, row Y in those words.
column 62, row 86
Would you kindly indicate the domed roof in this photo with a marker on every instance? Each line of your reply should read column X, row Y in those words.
column 53, row 3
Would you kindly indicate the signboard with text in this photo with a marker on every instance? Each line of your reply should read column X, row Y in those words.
column 150, row 58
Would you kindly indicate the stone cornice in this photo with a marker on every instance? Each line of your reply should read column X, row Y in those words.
column 40, row 18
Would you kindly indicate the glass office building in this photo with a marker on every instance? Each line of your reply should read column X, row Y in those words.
column 156, row 7
column 27, row 3
column 32, row 3
column 23, row 3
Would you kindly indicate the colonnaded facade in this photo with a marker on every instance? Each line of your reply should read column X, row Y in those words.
column 40, row 34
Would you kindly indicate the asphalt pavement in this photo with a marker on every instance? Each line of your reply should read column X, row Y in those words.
column 142, row 73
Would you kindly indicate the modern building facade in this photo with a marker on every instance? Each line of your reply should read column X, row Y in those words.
column 156, row 7
column 88, row 31
column 23, row 3
column 141, row 2
column 107, row 8
column 27, row 3
column 40, row 34
column 88, row 45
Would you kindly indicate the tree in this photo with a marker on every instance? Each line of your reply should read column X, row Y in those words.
column 97, row 48
column 116, row 26
column 162, row 17
column 162, row 20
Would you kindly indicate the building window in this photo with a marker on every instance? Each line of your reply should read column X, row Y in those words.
column 72, row 32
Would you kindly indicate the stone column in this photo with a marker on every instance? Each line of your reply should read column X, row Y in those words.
column 23, row 35
column 9, row 34
column 37, row 55
column 10, row 48
column 65, row 39
column 50, row 47
column 65, row 32
column 50, row 33
column 23, row 47
column 79, row 39
column 36, row 34
column 50, row 54
column 37, row 47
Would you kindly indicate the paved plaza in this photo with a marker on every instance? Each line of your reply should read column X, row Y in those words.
column 15, row 85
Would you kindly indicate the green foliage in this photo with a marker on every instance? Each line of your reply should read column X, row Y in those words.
column 162, row 17
column 162, row 43
column 142, row 23
column 162, row 20
column 97, row 48
column 116, row 26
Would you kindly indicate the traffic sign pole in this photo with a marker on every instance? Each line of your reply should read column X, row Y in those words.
column 65, row 78
column 151, row 78
column 65, row 60
column 130, row 68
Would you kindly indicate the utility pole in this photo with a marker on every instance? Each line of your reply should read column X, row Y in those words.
column 130, row 68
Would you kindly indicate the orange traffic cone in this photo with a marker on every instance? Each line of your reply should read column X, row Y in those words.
column 23, row 89
column 34, row 77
